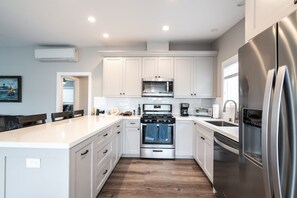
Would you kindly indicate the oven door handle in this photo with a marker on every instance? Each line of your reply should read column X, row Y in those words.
column 228, row 148
column 158, row 124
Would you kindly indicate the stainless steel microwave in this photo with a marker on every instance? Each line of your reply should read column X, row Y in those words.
column 157, row 87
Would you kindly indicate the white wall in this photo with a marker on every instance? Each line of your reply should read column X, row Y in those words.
column 39, row 78
column 227, row 46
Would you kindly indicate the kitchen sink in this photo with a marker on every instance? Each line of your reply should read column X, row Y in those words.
column 221, row 123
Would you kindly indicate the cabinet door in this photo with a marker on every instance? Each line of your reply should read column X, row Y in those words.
column 119, row 144
column 203, row 77
column 112, row 77
column 83, row 171
column 183, row 77
column 165, row 67
column 194, row 143
column 149, row 67
column 183, row 139
column 262, row 14
column 132, row 141
column 114, row 159
column 132, row 77
column 200, row 150
column 209, row 159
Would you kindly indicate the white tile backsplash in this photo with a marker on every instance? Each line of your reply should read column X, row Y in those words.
column 130, row 104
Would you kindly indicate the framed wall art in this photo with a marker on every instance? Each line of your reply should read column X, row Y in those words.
column 10, row 89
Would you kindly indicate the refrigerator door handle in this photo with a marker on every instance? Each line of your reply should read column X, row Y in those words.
column 283, row 84
column 265, row 128
column 228, row 148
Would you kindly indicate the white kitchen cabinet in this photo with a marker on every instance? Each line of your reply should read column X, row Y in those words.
column 157, row 67
column 183, row 139
column 183, row 67
column 204, row 149
column 117, row 141
column 81, row 157
column 209, row 149
column 261, row 14
column 122, row 77
column 132, row 138
column 193, row 77
column 200, row 149
column 203, row 77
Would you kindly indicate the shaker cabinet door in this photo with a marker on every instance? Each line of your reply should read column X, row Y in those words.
column 113, row 77
column 132, row 77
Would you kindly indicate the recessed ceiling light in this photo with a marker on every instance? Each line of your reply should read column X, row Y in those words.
column 91, row 19
column 165, row 28
column 105, row 35
column 214, row 30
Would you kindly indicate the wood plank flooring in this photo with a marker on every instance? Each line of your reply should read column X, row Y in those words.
column 141, row 178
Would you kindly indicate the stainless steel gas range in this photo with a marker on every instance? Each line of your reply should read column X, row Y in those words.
column 157, row 137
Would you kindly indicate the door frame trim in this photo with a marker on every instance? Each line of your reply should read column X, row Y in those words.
column 59, row 85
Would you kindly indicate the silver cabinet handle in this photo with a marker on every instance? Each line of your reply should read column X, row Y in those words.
column 283, row 85
column 265, row 124
column 228, row 148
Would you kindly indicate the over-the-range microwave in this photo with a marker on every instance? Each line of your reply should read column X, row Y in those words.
column 157, row 87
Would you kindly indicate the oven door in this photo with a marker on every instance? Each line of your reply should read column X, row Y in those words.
column 157, row 136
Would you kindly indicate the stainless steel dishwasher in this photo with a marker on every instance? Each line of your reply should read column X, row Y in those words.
column 226, row 166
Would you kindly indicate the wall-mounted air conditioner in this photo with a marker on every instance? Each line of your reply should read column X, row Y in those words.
column 57, row 54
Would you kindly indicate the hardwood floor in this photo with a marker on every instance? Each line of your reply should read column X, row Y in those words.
column 141, row 178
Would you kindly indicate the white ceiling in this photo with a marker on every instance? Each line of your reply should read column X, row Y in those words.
column 64, row 22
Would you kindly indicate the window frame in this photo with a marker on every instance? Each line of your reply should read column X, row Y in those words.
column 226, row 63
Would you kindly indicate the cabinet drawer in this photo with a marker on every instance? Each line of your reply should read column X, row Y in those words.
column 102, row 175
column 205, row 132
column 117, row 127
column 103, row 153
column 133, row 123
column 102, row 137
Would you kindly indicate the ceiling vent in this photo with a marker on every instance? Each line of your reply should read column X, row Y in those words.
column 57, row 54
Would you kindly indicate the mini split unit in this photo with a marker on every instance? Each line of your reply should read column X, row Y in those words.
column 56, row 54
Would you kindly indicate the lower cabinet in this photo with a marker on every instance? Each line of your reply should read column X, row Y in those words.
column 92, row 161
column 183, row 140
column 132, row 138
column 203, row 149
column 81, row 169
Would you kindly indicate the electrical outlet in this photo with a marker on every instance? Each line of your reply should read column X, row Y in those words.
column 32, row 163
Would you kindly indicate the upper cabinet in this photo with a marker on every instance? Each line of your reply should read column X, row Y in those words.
column 157, row 67
column 193, row 77
column 261, row 14
column 122, row 77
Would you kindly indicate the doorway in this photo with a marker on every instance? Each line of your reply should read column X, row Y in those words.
column 74, row 91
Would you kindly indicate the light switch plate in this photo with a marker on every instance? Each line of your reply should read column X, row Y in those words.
column 32, row 163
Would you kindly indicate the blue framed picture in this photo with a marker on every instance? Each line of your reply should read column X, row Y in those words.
column 10, row 89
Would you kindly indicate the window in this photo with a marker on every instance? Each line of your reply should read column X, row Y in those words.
column 230, row 80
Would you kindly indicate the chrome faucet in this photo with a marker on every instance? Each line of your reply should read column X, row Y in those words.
column 236, row 115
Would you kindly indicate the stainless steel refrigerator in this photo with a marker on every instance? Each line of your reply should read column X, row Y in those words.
column 268, row 112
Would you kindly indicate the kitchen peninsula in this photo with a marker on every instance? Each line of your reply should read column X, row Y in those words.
column 55, row 159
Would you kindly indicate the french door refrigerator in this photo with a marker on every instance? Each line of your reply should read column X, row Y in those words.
column 268, row 112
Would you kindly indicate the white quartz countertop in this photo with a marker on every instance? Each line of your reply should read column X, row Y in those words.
column 67, row 133
column 230, row 132
column 58, row 135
